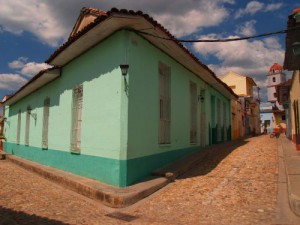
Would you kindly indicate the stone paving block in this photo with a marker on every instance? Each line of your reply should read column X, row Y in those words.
column 293, row 165
column 109, row 195
column 235, row 183
column 294, row 192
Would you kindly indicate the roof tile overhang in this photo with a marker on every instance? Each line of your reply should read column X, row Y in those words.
column 114, row 20
column 39, row 80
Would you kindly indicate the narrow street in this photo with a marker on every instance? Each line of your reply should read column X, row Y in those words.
column 233, row 185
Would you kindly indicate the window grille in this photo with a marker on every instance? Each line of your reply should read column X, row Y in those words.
column 225, row 120
column 27, row 125
column 193, row 112
column 19, row 127
column 164, row 104
column 45, row 123
column 219, row 129
column 76, row 118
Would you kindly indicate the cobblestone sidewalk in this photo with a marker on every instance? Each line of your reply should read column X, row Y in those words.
column 231, row 186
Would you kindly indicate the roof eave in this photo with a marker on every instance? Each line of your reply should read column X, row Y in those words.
column 39, row 80
column 104, row 26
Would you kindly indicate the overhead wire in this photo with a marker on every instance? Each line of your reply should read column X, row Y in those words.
column 221, row 40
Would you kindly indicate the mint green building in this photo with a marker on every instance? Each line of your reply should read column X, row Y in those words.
column 86, row 117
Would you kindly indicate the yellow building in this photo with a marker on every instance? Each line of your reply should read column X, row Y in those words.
column 245, row 118
column 295, row 108
column 292, row 63
column 237, row 123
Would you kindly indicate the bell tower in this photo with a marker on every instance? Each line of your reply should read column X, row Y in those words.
column 275, row 77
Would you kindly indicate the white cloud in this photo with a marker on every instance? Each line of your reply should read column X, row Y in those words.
column 254, row 7
column 193, row 19
column 28, row 69
column 251, row 58
column 18, row 64
column 251, row 8
column 32, row 68
column 11, row 81
column 273, row 6
column 34, row 17
column 246, row 29
column 52, row 20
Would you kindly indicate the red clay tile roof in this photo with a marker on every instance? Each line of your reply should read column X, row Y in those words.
column 276, row 66
column 93, row 11
column 86, row 11
column 103, row 16
column 296, row 11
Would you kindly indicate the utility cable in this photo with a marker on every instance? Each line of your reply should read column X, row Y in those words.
column 221, row 40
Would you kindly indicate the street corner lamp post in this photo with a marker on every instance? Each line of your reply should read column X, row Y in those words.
column 296, row 49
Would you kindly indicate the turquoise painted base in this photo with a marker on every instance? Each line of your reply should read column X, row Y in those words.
column 120, row 173
column 214, row 134
column 102, row 169
column 140, row 168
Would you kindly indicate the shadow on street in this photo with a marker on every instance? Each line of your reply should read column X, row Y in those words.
column 215, row 154
column 12, row 217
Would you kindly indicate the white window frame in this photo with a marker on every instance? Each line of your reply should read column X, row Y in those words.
column 76, row 119
column 219, row 127
column 19, row 127
column 45, row 123
column 27, row 125
column 164, row 104
column 193, row 112
column 225, row 120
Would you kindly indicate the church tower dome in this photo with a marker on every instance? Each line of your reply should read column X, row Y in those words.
column 275, row 77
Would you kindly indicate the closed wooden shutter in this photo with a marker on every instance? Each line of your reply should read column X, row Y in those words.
column 219, row 130
column 164, row 104
column 27, row 125
column 225, row 120
column 19, row 127
column 45, row 123
column 193, row 112
column 76, row 118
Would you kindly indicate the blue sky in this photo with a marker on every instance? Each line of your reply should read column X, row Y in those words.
column 31, row 30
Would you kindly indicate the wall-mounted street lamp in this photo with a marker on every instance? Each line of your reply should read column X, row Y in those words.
column 124, row 69
column 33, row 115
column 296, row 49
column 200, row 98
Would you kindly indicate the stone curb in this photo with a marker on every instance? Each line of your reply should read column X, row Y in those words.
column 294, row 198
column 109, row 195
column 294, row 202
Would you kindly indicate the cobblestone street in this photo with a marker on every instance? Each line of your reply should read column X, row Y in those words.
column 234, row 185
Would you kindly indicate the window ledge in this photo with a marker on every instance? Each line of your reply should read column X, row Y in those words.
column 164, row 145
column 74, row 152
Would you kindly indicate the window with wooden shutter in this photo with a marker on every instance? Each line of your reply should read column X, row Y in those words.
column 45, row 123
column 164, row 104
column 27, row 125
column 19, row 127
column 225, row 120
column 76, row 119
column 219, row 128
column 193, row 112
